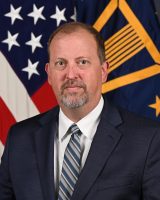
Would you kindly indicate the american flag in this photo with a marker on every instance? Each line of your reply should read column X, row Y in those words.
column 25, row 29
column 130, row 28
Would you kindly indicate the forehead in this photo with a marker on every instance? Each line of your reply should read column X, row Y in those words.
column 72, row 45
column 80, row 35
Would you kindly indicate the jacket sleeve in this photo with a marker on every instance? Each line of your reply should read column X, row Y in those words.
column 151, row 176
column 6, row 190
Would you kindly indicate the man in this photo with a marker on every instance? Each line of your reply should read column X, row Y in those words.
column 115, row 154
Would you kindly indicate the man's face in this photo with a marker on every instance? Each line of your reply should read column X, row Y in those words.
column 74, row 70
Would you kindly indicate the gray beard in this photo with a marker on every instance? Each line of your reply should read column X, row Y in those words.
column 74, row 103
column 72, row 100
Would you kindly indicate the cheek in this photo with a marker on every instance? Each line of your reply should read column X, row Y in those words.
column 93, row 80
column 54, row 81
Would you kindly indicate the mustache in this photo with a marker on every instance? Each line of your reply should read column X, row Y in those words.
column 73, row 83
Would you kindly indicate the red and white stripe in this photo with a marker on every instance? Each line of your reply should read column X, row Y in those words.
column 15, row 102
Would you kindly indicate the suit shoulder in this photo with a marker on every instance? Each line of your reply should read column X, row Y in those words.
column 35, row 121
column 117, row 115
column 137, row 120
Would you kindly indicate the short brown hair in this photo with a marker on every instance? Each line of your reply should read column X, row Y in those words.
column 71, row 27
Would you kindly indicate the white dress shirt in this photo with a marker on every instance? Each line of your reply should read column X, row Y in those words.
column 87, row 125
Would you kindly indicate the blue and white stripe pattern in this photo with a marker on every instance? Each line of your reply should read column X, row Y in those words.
column 71, row 165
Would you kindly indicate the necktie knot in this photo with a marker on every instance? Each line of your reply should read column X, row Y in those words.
column 74, row 129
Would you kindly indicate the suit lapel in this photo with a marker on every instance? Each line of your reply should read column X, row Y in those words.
column 104, row 142
column 44, row 147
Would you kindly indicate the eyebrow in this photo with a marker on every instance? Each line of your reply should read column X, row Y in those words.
column 60, row 58
column 80, row 57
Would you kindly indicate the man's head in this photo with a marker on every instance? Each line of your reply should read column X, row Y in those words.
column 77, row 66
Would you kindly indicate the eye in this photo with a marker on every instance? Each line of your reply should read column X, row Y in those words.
column 83, row 62
column 60, row 64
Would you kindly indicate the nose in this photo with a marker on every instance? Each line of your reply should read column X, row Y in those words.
column 71, row 71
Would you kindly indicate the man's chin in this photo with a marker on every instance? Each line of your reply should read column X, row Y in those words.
column 74, row 102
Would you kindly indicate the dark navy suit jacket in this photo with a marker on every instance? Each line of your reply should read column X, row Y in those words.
column 123, row 162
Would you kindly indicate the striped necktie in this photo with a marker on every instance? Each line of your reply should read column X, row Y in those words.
column 71, row 165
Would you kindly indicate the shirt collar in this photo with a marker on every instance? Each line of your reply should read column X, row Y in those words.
column 64, row 124
column 87, row 125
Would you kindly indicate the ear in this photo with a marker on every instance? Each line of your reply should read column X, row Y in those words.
column 105, row 67
column 47, row 69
